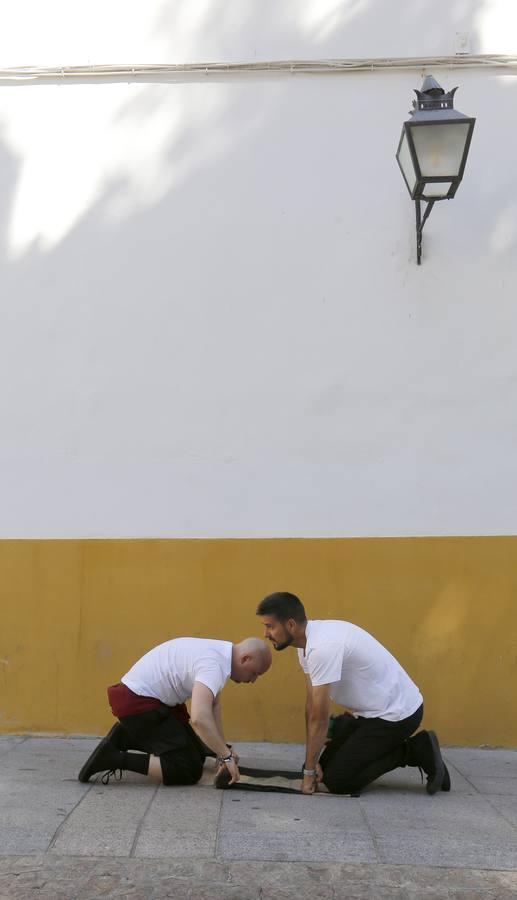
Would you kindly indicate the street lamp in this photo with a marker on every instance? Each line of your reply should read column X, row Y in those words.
column 433, row 150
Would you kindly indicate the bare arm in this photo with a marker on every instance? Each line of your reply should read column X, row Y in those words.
column 217, row 716
column 206, row 722
column 219, row 723
column 317, row 707
column 308, row 702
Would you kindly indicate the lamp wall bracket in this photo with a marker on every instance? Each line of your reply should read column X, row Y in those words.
column 420, row 222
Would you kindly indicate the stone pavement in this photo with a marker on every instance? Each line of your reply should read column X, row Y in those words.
column 62, row 840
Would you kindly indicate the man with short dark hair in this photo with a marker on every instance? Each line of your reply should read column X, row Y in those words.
column 344, row 663
column 153, row 719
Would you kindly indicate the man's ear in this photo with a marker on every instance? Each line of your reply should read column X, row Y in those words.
column 245, row 657
column 291, row 625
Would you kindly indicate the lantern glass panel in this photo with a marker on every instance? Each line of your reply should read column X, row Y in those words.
column 406, row 164
column 436, row 189
column 440, row 147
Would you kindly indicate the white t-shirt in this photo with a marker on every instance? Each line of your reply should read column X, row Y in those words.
column 168, row 672
column 363, row 675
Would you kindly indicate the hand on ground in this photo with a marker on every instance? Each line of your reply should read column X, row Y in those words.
column 308, row 784
column 233, row 769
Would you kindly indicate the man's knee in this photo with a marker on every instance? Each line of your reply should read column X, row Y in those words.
column 180, row 768
column 342, row 774
column 337, row 785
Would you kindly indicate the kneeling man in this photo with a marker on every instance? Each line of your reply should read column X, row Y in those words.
column 344, row 663
column 153, row 719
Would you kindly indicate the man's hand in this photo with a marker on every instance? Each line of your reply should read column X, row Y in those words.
column 233, row 769
column 308, row 784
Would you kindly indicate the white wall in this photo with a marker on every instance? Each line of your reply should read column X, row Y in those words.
column 211, row 318
column 160, row 31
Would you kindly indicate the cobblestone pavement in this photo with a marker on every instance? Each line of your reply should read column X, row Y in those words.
column 62, row 840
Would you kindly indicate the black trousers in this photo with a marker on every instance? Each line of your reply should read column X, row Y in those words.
column 365, row 749
column 177, row 745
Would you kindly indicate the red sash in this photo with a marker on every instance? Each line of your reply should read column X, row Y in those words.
column 125, row 702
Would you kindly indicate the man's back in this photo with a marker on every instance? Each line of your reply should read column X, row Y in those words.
column 365, row 677
column 168, row 671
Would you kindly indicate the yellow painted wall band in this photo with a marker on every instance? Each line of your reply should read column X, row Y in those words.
column 76, row 614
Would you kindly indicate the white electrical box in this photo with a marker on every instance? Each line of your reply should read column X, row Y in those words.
column 462, row 43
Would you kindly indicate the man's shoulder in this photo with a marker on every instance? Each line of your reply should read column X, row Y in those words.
column 327, row 631
column 201, row 645
column 195, row 653
column 213, row 652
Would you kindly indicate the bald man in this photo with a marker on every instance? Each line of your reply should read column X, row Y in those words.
column 150, row 701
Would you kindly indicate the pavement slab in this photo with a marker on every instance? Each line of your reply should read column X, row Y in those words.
column 181, row 823
column 104, row 823
column 287, row 827
column 506, row 807
column 493, row 786
column 455, row 830
column 8, row 742
column 62, row 840
column 480, row 761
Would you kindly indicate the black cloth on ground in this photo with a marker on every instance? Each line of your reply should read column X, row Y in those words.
column 262, row 777
column 263, row 781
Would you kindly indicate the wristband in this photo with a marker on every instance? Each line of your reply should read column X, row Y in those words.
column 224, row 759
column 308, row 771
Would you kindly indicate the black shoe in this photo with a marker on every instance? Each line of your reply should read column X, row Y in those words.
column 424, row 752
column 446, row 783
column 105, row 758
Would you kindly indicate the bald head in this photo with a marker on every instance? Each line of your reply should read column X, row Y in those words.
column 250, row 658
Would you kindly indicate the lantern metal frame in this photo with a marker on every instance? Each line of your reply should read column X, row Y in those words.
column 432, row 107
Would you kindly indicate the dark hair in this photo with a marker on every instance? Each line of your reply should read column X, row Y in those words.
column 282, row 605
